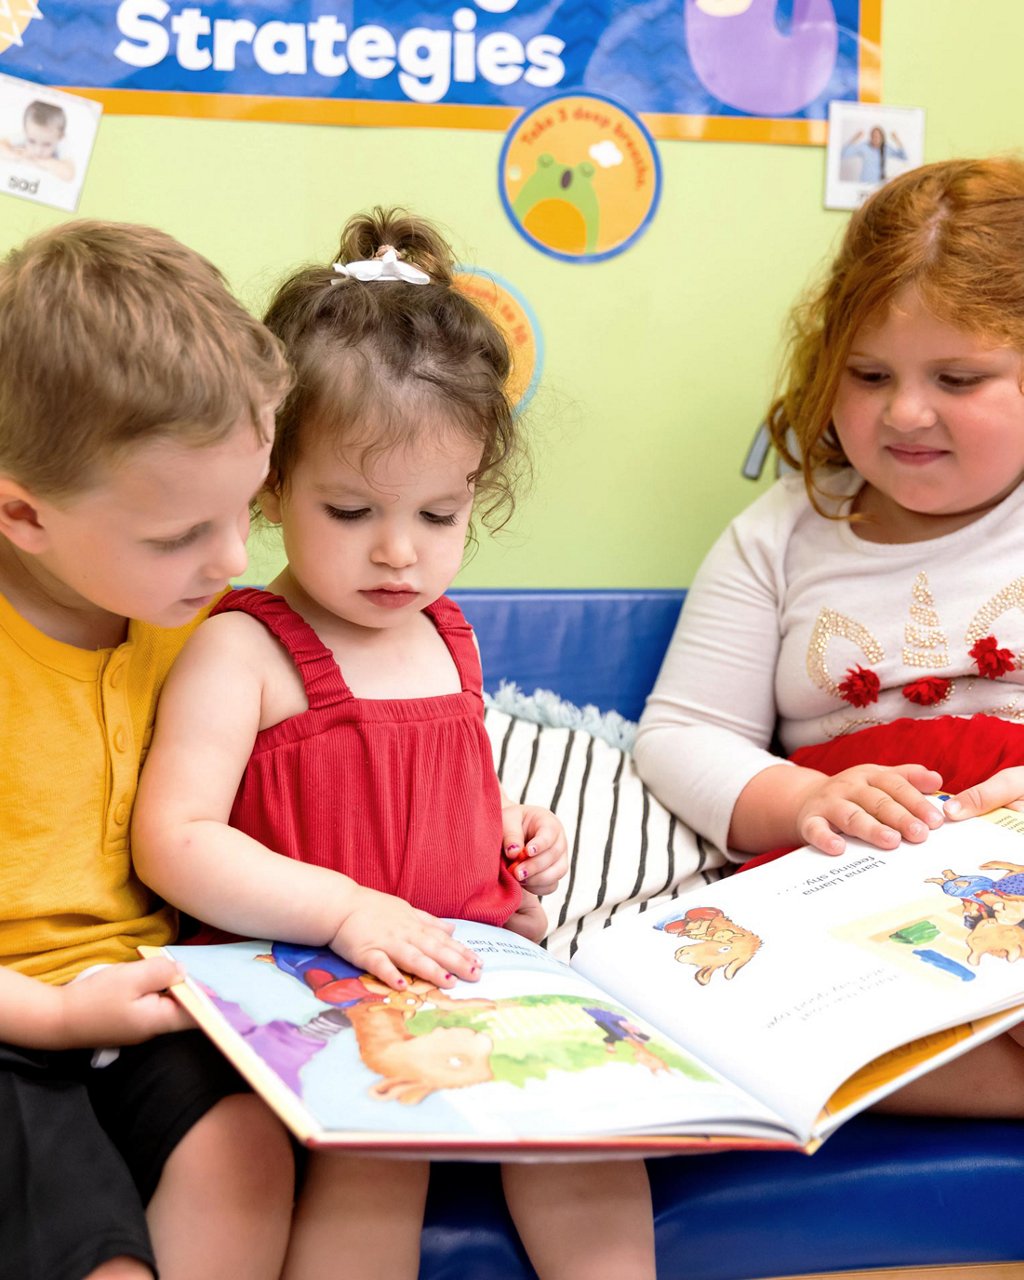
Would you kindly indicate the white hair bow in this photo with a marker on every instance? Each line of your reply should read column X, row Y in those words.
column 386, row 266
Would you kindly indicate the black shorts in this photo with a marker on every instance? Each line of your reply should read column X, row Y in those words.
column 82, row 1148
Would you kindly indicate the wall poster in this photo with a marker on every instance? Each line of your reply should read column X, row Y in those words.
column 749, row 70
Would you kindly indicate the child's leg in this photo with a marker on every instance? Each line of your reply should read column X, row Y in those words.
column 359, row 1217
column 589, row 1221
column 211, row 1163
column 121, row 1269
column 223, row 1203
column 987, row 1082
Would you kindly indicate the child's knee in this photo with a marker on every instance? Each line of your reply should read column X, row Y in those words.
column 241, row 1146
column 121, row 1269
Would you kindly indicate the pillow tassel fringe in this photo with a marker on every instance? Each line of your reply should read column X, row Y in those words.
column 547, row 708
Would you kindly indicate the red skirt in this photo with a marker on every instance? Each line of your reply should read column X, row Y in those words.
column 962, row 750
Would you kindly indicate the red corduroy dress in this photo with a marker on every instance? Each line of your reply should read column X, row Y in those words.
column 399, row 794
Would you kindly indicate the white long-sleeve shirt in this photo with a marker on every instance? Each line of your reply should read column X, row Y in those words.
column 786, row 604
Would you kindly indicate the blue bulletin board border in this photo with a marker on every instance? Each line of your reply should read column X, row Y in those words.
column 469, row 64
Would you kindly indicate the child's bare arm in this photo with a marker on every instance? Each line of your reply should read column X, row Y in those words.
column 186, row 850
column 120, row 1004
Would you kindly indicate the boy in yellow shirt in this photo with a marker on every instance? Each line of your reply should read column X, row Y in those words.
column 136, row 411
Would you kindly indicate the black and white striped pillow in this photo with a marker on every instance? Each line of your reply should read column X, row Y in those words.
column 627, row 852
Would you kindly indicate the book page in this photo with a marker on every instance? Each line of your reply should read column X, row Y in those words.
column 531, row 1051
column 791, row 977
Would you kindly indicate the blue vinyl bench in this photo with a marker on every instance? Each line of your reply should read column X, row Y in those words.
column 884, row 1192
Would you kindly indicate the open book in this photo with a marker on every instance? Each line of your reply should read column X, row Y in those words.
column 763, row 1010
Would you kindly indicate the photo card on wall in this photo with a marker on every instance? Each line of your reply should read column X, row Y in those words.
column 46, row 139
column 869, row 143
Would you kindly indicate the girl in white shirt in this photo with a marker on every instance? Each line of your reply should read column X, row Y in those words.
column 855, row 639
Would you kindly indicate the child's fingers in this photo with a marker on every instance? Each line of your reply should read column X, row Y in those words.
column 437, row 964
column 434, row 922
column 824, row 830
column 171, row 1016
column 919, row 775
column 380, row 965
column 895, row 797
column 542, row 828
column 542, row 860
column 819, row 835
column 542, row 884
column 541, row 873
column 459, row 960
column 1004, row 789
column 155, row 973
column 513, row 834
column 880, row 805
column 436, row 956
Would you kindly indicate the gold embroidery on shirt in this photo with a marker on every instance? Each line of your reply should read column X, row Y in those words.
column 925, row 644
column 851, row 726
column 828, row 626
column 1013, row 710
column 983, row 622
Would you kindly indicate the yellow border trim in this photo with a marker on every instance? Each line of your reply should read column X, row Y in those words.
column 330, row 111
column 869, row 79
column 415, row 115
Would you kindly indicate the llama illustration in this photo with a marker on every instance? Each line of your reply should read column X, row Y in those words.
column 993, row 910
column 411, row 1067
column 713, row 942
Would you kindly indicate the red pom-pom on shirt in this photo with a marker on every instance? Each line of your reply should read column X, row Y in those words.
column 860, row 687
column 929, row 691
column 991, row 661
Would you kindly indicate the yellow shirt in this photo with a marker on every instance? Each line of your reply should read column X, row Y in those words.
column 76, row 725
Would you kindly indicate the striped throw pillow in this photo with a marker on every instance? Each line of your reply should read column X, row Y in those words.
column 626, row 851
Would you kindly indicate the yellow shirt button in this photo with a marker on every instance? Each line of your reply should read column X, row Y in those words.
column 121, row 814
column 120, row 739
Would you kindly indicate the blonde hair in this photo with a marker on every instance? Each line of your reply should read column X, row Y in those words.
column 955, row 232
column 381, row 359
column 112, row 334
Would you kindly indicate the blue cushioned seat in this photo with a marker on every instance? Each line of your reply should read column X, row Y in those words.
column 884, row 1191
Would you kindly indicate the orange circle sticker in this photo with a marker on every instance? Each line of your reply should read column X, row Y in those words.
column 514, row 317
column 579, row 177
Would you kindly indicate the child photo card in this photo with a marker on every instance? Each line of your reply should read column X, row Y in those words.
column 867, row 145
column 46, row 139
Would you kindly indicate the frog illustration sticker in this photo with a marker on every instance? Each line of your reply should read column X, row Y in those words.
column 579, row 177
column 515, row 318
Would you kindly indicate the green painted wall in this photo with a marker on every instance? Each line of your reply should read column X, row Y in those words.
column 659, row 363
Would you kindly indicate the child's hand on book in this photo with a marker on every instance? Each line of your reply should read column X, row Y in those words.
column 535, row 846
column 880, row 804
column 120, row 1004
column 385, row 936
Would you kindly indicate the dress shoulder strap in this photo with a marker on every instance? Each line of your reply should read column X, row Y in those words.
column 321, row 677
column 457, row 634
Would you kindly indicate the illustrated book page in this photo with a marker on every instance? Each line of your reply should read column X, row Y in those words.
column 531, row 1057
column 820, row 984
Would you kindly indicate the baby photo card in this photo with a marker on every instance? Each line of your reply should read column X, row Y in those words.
column 46, row 139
